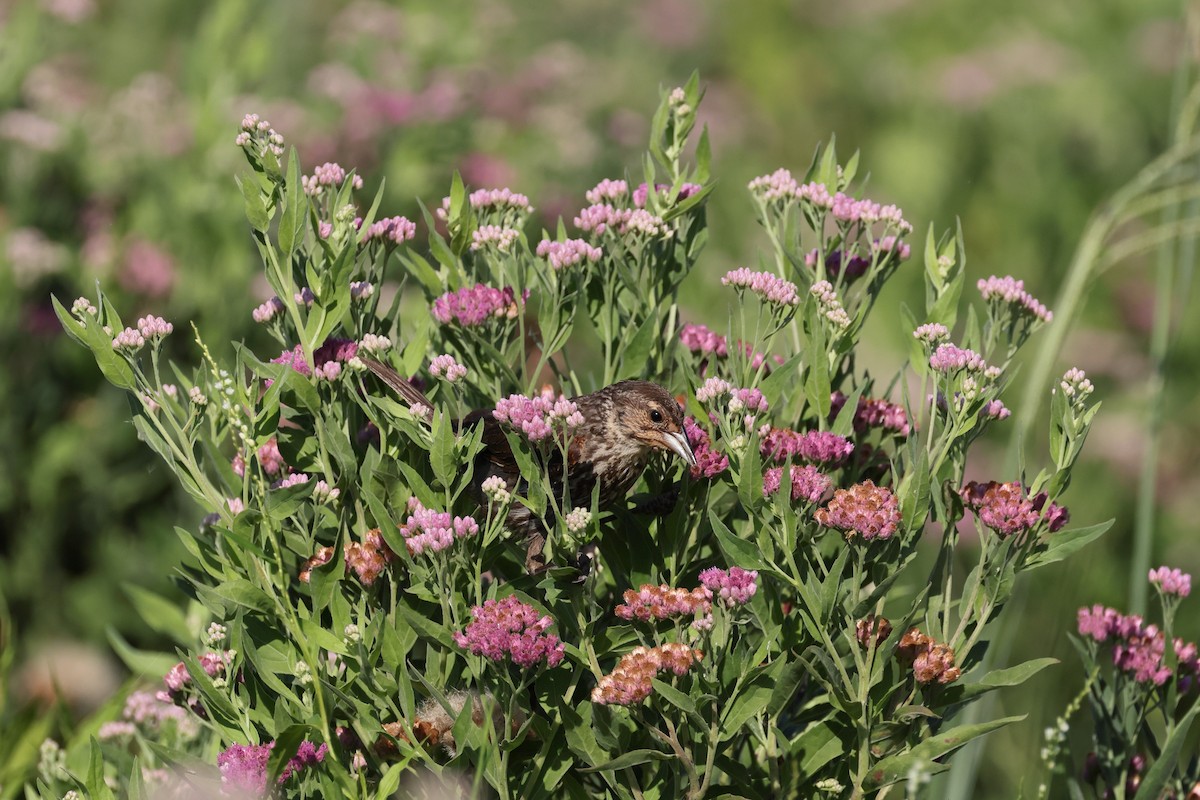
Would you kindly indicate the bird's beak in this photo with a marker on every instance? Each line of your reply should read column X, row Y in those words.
column 677, row 443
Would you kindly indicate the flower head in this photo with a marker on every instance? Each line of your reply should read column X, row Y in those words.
column 511, row 629
column 444, row 366
column 568, row 253
column 650, row 603
column 931, row 333
column 735, row 586
column 631, row 681
column 699, row 339
column 1171, row 581
column 495, row 236
column 474, row 305
column 367, row 559
column 1010, row 291
column 392, row 230
column 948, row 358
column 268, row 310
column 433, row 531
column 864, row 510
column 537, row 417
column 808, row 483
column 769, row 287
column 709, row 462
column 1005, row 508
column 129, row 341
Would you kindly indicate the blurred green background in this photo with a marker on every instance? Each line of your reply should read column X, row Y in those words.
column 117, row 166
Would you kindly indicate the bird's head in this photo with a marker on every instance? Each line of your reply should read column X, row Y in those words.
column 647, row 413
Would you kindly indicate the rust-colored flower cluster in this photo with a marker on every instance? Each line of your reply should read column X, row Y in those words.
column 651, row 603
column 864, row 510
column 367, row 559
column 931, row 661
column 630, row 682
column 872, row 627
column 1007, row 510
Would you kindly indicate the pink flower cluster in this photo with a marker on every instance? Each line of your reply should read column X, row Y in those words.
column 817, row 447
column 513, row 629
column 128, row 339
column 771, row 288
column 474, row 305
column 699, row 339
column 334, row 350
column 268, row 310
column 1138, row 648
column 149, row 711
column 244, row 767
column 607, row 189
column 853, row 211
column 856, row 265
column 642, row 193
column 948, row 358
column 260, row 133
column 152, row 327
column 433, row 531
column 931, row 332
column 568, row 253
column 779, row 185
column 444, row 366
column 295, row 479
column 603, row 217
column 538, row 417
column 873, row 413
column 1012, row 291
column 396, row 230
column 808, row 483
column 864, row 510
column 1005, row 509
column 177, row 678
column 631, row 681
column 1171, row 581
column 735, row 586
column 328, row 174
column 500, row 237
column 497, row 199
column 650, row 603
column 750, row 401
column 709, row 462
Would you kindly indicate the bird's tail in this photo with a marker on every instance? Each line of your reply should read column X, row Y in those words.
column 409, row 393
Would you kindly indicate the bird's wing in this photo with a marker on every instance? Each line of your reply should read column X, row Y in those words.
column 411, row 394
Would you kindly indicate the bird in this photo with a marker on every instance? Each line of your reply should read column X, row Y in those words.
column 623, row 425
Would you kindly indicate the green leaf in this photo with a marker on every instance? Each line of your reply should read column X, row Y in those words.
column 635, row 359
column 140, row 662
column 581, row 738
column 753, row 698
column 675, row 697
column 843, row 425
column 1065, row 543
column 441, row 455
column 996, row 679
column 160, row 614
column 1155, row 780
column 96, row 786
column 738, row 552
column 255, row 203
column 914, row 491
column 750, row 480
column 895, row 768
column 295, row 208
column 816, row 747
column 426, row 627
column 286, row 744
column 630, row 759
column 243, row 593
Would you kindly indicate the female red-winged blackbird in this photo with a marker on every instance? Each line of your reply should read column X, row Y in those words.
column 622, row 425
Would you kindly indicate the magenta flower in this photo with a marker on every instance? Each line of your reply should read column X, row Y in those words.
column 735, row 586
column 808, row 483
column 770, row 288
column 538, row 417
column 509, row 628
column 948, row 358
column 244, row 767
column 473, row 306
column 699, row 339
column 856, row 265
column 268, row 310
column 1004, row 508
column 864, row 510
column 873, row 413
column 568, row 253
column 709, row 462
column 295, row 479
column 433, row 531
column 361, row 290
column 712, row 389
column 602, row 217
column 1171, row 581
column 995, row 409
column 817, row 447
column 394, row 230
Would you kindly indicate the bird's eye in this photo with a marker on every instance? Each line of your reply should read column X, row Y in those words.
column 656, row 416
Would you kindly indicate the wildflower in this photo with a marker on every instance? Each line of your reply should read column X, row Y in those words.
column 931, row 333
column 537, row 417
column 128, row 340
column 817, row 447
column 779, row 185
column 367, row 559
column 872, row 628
column 606, row 189
column 855, row 265
column 808, row 483
column 893, row 244
column 244, row 767
column 472, row 306
column 650, row 603
column 361, row 290
column 302, row 674
column 116, row 730
column 500, row 200
column 631, row 681
column 873, row 413
column 831, row 307
column 948, row 358
column 501, row 238
column 816, row 195
column 1004, row 508
column 995, row 409
column 931, row 661
column 1010, row 291
column 735, row 586
column 269, row 457
column 496, row 490
column 324, row 493
column 1097, row 622
column 444, row 366
column 712, row 389
column 394, row 230
column 268, row 310
column 770, row 288
column 83, row 306
column 870, row 511
column 258, row 132
column 196, row 395
column 235, row 505
column 699, row 339
column 1075, row 383
column 374, row 344
column 1171, row 581
column 352, row 634
column 509, row 628
column 578, row 519
column 642, row 193
column 295, row 479
column 433, row 531
column 215, row 634
column 709, row 462
column 328, row 174
column 567, row 254
column 749, row 400
column 304, row 297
